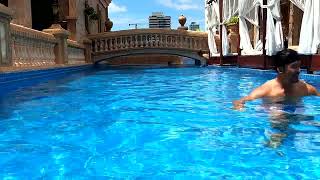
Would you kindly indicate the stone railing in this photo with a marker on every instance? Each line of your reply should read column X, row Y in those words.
column 149, row 38
column 76, row 52
column 31, row 47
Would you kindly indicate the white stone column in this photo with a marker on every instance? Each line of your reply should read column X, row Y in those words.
column 5, row 38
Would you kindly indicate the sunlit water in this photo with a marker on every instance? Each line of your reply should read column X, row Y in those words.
column 152, row 123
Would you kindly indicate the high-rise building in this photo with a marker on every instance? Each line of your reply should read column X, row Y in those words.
column 159, row 20
column 194, row 26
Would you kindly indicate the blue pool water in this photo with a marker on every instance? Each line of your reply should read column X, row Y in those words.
column 159, row 123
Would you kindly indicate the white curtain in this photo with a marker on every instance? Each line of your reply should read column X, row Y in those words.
column 299, row 3
column 212, row 21
column 248, row 12
column 310, row 28
column 274, row 35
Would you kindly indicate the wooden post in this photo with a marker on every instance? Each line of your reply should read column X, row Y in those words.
column 264, row 29
column 238, row 43
column 221, row 21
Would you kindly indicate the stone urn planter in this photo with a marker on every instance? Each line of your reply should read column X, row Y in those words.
column 108, row 25
column 233, row 35
column 182, row 20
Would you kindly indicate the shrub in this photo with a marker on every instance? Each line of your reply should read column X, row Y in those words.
column 233, row 20
column 88, row 11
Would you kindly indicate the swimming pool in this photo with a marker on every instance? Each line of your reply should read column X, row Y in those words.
column 159, row 123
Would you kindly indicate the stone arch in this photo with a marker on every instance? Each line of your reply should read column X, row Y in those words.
column 189, row 54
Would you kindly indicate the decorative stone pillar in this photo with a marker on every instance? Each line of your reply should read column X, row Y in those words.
column 5, row 43
column 61, row 48
column 22, row 12
column 88, row 45
column 182, row 21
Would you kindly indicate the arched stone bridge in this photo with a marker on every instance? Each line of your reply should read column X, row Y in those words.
column 110, row 45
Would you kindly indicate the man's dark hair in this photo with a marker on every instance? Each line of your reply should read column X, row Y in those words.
column 285, row 57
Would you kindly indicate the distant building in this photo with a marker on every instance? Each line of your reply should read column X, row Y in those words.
column 194, row 26
column 158, row 20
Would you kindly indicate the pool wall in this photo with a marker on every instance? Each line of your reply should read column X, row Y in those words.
column 12, row 80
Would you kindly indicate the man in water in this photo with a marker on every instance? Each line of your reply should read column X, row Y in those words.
column 282, row 95
column 285, row 86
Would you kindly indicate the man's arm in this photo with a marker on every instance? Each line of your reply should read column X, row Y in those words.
column 312, row 90
column 259, row 92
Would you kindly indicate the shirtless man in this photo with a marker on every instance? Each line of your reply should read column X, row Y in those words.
column 286, row 85
column 282, row 95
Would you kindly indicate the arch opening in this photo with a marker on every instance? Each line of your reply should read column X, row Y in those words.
column 4, row 2
column 151, row 59
column 42, row 14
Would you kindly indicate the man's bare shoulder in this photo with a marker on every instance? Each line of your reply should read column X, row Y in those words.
column 270, row 83
column 311, row 90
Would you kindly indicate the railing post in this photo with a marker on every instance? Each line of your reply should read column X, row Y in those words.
column 5, row 45
column 61, row 48
column 88, row 50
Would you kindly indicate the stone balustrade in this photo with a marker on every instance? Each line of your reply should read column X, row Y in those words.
column 76, row 52
column 149, row 38
column 31, row 47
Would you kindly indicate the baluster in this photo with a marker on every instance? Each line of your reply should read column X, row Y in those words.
column 196, row 43
column 140, row 44
column 147, row 40
column 131, row 42
column 152, row 40
column 115, row 43
column 105, row 45
column 165, row 41
column 33, row 53
column 183, row 42
column 157, row 40
column 136, row 41
column 41, row 45
column 46, row 53
column 127, row 43
column 96, row 45
column 118, row 42
column 177, row 41
column 174, row 41
column 109, row 41
column 13, row 51
column 160, row 40
column 28, row 52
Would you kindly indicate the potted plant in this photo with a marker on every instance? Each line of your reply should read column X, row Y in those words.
column 233, row 35
column 88, row 10
column 90, row 15
column 232, row 24
column 94, row 16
